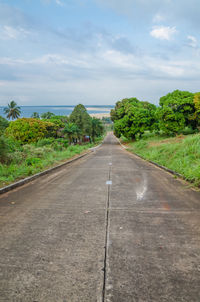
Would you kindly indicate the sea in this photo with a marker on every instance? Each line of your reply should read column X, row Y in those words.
column 27, row 111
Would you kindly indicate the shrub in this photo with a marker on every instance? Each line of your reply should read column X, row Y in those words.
column 4, row 149
column 45, row 141
column 3, row 124
column 57, row 147
column 27, row 130
column 34, row 161
column 8, row 146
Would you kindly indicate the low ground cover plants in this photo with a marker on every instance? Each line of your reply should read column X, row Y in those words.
column 180, row 153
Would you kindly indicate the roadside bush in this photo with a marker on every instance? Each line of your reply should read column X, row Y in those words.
column 34, row 161
column 3, row 124
column 7, row 148
column 57, row 147
column 189, row 130
column 31, row 150
column 63, row 141
column 4, row 150
column 44, row 142
column 28, row 130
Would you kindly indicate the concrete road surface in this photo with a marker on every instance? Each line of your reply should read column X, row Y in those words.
column 108, row 227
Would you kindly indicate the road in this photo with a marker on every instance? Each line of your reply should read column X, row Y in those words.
column 108, row 227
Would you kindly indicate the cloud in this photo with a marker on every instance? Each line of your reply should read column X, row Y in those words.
column 192, row 42
column 163, row 32
column 9, row 32
column 59, row 3
column 158, row 18
column 67, row 57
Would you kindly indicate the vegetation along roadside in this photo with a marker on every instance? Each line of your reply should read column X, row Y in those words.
column 167, row 134
column 31, row 145
column 180, row 154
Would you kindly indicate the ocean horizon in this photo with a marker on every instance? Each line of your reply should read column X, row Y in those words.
column 27, row 111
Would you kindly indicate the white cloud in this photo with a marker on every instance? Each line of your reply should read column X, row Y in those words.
column 59, row 3
column 158, row 18
column 9, row 32
column 192, row 41
column 163, row 32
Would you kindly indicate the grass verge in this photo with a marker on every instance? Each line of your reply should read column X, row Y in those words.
column 180, row 154
column 31, row 159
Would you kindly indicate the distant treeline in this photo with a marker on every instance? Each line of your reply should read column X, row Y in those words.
column 76, row 128
column 177, row 111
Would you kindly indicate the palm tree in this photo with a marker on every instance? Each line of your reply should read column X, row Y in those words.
column 12, row 111
column 35, row 115
column 47, row 115
column 97, row 128
column 71, row 130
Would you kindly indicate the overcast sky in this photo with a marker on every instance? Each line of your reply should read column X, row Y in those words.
column 65, row 52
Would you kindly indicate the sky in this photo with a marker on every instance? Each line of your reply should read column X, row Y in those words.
column 97, row 52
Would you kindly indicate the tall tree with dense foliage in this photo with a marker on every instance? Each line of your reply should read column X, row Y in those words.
column 132, row 117
column 97, row 128
column 12, row 111
column 182, row 105
column 82, row 119
column 171, row 122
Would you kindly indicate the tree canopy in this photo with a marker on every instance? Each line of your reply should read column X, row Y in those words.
column 28, row 130
column 132, row 117
column 82, row 119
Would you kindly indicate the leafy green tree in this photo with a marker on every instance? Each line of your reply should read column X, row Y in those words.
column 28, row 130
column 71, row 130
column 47, row 115
column 82, row 119
column 171, row 122
column 181, row 102
column 197, row 107
column 12, row 111
column 132, row 117
column 97, row 128
column 35, row 115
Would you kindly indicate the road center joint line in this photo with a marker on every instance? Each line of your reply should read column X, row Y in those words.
column 109, row 183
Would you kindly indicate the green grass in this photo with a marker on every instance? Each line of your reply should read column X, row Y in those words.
column 181, row 154
column 34, row 158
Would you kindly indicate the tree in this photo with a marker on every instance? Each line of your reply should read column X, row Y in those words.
column 12, row 111
column 71, row 130
column 171, row 122
column 97, row 128
column 35, row 115
column 28, row 130
column 181, row 102
column 197, row 107
column 132, row 117
column 47, row 115
column 82, row 119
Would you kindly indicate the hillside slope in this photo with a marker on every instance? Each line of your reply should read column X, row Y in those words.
column 181, row 154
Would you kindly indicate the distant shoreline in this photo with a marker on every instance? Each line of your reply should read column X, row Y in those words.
column 100, row 115
column 93, row 110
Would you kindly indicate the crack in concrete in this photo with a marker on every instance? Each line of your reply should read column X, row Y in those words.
column 107, row 235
